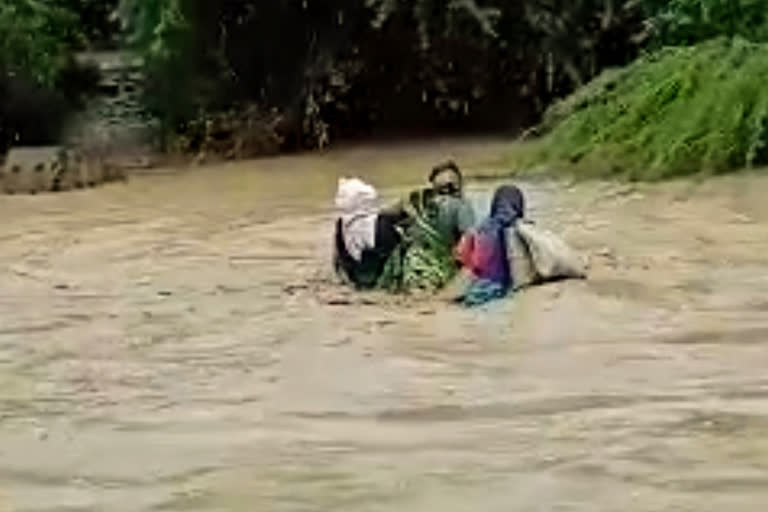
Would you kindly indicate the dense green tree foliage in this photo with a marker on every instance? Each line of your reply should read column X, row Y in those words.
column 346, row 67
column 397, row 64
column 40, row 83
column 36, row 37
column 683, row 22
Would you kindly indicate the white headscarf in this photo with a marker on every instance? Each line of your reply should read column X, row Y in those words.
column 356, row 201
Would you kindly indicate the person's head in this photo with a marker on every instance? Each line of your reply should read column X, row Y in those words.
column 446, row 179
column 355, row 196
column 508, row 205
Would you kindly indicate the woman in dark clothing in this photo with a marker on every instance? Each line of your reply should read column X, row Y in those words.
column 364, row 237
column 365, row 273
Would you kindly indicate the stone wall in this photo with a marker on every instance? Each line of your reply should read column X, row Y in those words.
column 116, row 111
column 54, row 169
column 109, row 137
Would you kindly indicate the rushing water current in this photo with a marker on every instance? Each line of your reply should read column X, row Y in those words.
column 171, row 344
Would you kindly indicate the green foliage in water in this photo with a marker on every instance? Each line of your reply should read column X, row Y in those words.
column 424, row 261
column 678, row 111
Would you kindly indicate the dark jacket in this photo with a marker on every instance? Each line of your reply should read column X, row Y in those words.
column 365, row 273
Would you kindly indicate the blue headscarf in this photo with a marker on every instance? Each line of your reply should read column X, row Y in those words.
column 488, row 259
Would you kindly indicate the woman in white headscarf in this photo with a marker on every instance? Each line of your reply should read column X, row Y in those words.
column 364, row 237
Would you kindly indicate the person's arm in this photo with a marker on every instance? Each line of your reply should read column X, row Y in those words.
column 395, row 211
column 338, row 267
column 465, row 217
column 335, row 261
column 388, row 237
column 455, row 290
column 465, row 250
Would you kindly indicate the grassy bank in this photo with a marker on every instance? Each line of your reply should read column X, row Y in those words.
column 679, row 111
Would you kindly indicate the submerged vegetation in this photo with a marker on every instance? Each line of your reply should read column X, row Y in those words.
column 677, row 111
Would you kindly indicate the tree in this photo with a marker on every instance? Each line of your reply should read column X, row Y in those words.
column 40, row 82
column 37, row 38
column 461, row 63
column 688, row 22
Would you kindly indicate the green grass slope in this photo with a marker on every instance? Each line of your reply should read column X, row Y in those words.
column 679, row 111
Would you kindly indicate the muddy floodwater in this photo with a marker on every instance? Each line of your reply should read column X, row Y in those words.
column 172, row 344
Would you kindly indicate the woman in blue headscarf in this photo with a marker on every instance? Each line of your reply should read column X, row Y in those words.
column 483, row 250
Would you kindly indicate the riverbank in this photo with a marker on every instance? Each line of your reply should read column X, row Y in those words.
column 671, row 113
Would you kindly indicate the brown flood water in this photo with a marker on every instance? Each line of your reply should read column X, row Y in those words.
column 166, row 345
